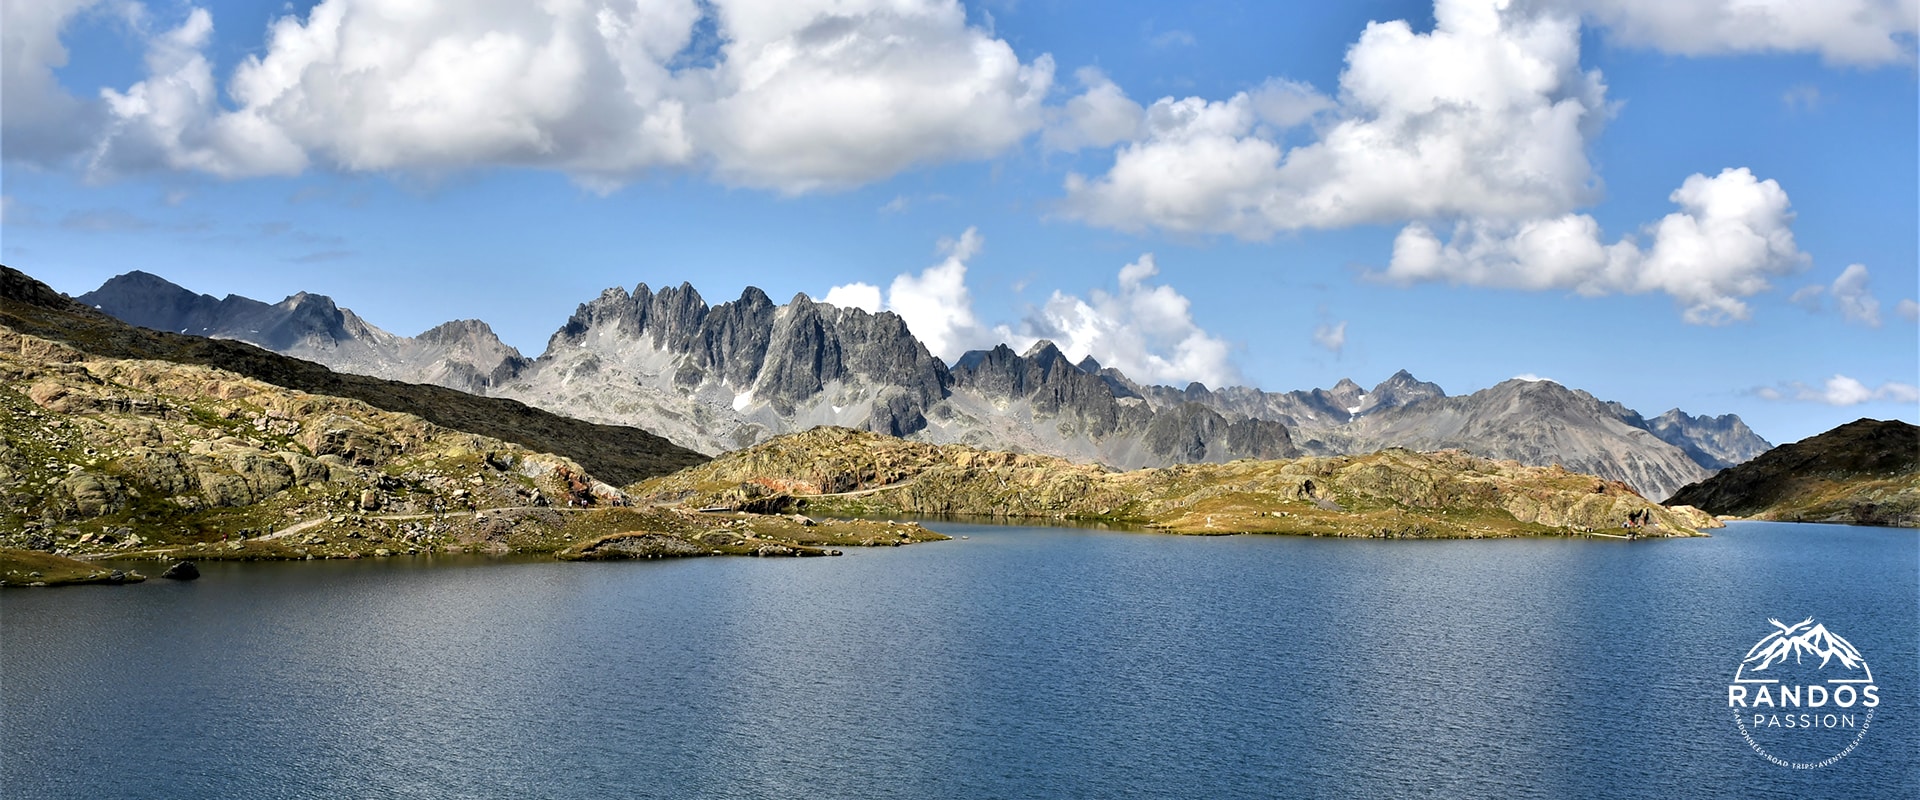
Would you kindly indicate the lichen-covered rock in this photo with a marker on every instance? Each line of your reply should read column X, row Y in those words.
column 85, row 495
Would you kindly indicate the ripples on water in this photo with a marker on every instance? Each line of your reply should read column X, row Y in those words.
column 1015, row 663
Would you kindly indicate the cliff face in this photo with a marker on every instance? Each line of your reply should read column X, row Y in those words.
column 1864, row 472
column 1715, row 442
column 1396, row 493
column 728, row 376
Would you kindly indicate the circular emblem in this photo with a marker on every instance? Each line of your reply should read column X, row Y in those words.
column 1803, row 697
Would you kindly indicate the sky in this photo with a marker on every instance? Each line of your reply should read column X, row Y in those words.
column 1705, row 204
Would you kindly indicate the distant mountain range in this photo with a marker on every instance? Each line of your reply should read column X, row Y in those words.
column 716, row 378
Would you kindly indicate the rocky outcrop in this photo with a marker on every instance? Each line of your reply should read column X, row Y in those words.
column 1866, row 472
column 120, row 454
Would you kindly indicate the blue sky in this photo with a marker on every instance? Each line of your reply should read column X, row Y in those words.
column 1693, row 203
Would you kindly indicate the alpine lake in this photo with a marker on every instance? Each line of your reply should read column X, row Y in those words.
column 1010, row 662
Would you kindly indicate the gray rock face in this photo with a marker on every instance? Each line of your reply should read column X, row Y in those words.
column 728, row 376
column 723, row 377
column 1085, row 412
column 1534, row 422
column 1715, row 442
column 1309, row 409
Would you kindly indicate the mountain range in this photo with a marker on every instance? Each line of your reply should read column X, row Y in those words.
column 716, row 378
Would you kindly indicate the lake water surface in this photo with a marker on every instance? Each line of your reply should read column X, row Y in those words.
column 1019, row 662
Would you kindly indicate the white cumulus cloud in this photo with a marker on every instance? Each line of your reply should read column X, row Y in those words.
column 1731, row 234
column 1841, row 390
column 40, row 122
column 1908, row 310
column 1851, row 295
column 936, row 303
column 1856, row 32
column 812, row 94
column 864, row 296
column 1331, row 338
column 1488, row 116
column 791, row 95
column 1145, row 330
column 1099, row 116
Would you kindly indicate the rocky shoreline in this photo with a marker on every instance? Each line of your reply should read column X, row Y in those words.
column 595, row 535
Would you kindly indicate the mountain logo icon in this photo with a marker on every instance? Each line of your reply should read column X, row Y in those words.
column 1801, row 641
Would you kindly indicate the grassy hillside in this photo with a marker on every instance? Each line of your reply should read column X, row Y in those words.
column 1865, row 472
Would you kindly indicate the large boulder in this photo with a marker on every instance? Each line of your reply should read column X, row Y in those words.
column 86, row 495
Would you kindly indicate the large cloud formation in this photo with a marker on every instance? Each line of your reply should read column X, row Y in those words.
column 1145, row 330
column 1487, row 115
column 1730, row 235
column 790, row 95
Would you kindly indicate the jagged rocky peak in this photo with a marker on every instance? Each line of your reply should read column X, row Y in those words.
column 1716, row 442
column 770, row 363
column 460, row 330
column 1347, row 395
column 1043, row 350
column 1089, row 365
column 1401, row 389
